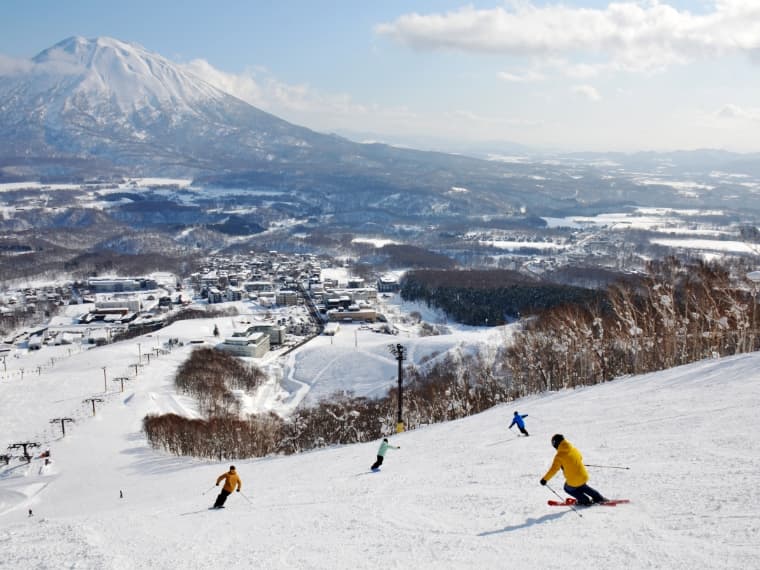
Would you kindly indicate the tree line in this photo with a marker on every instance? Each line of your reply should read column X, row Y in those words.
column 674, row 314
column 488, row 297
column 442, row 389
column 211, row 376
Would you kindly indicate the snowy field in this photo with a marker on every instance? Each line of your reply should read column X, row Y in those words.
column 458, row 495
column 708, row 245
column 132, row 183
column 36, row 386
column 359, row 361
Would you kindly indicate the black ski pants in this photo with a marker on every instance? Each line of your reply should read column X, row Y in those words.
column 584, row 494
column 221, row 498
column 377, row 463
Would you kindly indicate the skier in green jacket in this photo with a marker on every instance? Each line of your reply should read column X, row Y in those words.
column 384, row 446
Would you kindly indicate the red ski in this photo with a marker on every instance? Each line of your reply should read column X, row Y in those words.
column 570, row 502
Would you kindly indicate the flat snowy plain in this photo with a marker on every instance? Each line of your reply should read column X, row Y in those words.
column 464, row 494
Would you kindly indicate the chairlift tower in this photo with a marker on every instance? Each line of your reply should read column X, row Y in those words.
column 399, row 351
column 63, row 424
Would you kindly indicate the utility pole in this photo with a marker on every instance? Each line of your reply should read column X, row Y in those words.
column 105, row 380
column 139, row 353
column 398, row 351
column 121, row 379
column 25, row 444
column 93, row 400
column 753, row 276
column 63, row 424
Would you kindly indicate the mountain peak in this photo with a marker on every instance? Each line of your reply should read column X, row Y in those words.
column 124, row 74
column 83, row 51
column 116, row 102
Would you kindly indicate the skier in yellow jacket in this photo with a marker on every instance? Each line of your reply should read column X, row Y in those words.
column 232, row 480
column 570, row 460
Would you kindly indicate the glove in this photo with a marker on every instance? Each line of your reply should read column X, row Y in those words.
column 238, row 490
column 217, row 484
column 543, row 481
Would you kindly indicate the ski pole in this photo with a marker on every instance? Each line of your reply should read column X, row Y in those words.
column 207, row 490
column 606, row 466
column 246, row 498
column 560, row 497
column 563, row 500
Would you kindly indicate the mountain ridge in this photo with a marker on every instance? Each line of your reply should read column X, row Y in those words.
column 106, row 109
column 115, row 101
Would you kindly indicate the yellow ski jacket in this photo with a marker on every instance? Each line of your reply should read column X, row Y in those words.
column 571, row 461
column 232, row 480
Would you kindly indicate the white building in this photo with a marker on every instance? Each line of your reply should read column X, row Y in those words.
column 124, row 301
column 287, row 298
column 254, row 345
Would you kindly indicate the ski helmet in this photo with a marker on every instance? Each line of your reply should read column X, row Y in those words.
column 232, row 467
column 557, row 438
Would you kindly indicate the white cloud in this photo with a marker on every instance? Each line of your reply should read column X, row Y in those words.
column 13, row 66
column 59, row 66
column 731, row 111
column 525, row 77
column 243, row 86
column 304, row 105
column 634, row 36
column 262, row 90
column 587, row 91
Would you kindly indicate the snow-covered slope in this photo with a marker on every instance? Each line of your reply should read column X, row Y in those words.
column 355, row 360
column 457, row 495
column 122, row 75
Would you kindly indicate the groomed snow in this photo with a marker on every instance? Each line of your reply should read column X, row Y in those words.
column 707, row 244
column 458, row 495
column 517, row 245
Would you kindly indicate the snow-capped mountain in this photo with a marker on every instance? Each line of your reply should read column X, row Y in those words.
column 95, row 107
column 88, row 108
column 111, row 101
column 124, row 78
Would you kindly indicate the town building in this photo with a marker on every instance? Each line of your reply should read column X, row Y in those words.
column 254, row 345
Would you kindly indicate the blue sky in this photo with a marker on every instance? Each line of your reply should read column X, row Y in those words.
column 576, row 75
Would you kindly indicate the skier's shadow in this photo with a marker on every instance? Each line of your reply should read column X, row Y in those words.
column 526, row 524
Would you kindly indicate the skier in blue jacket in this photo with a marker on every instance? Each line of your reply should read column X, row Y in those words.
column 518, row 419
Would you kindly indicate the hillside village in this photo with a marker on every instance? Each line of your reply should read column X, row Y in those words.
column 282, row 301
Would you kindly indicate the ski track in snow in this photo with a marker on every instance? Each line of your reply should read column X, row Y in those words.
column 74, row 546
